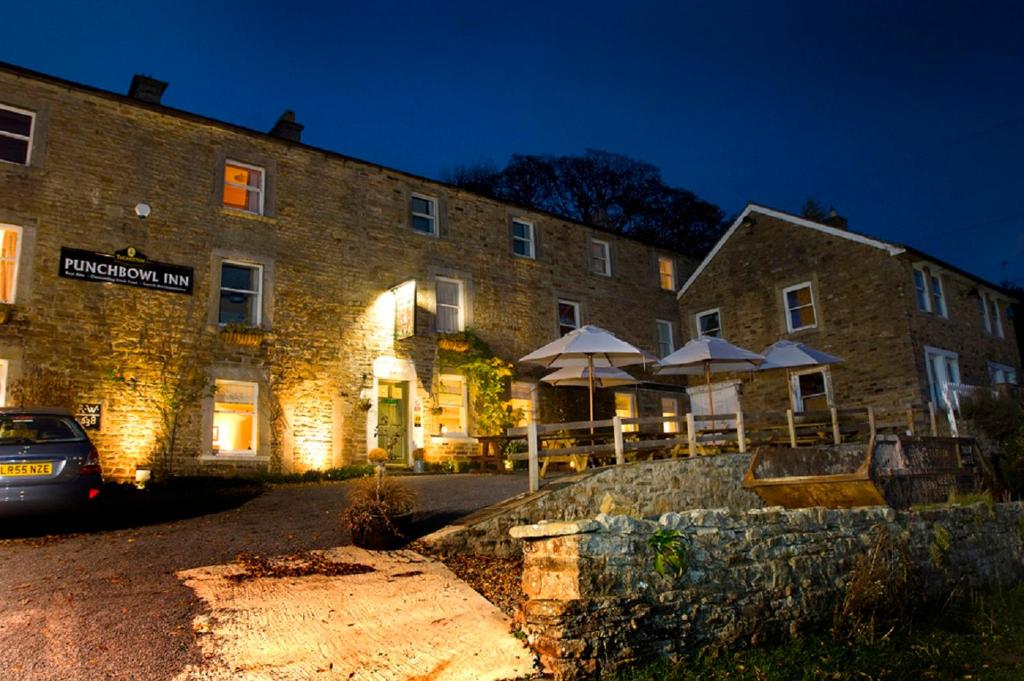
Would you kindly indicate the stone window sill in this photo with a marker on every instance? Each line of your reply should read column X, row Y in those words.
column 245, row 215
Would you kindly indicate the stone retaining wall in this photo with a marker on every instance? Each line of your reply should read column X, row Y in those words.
column 597, row 604
column 650, row 488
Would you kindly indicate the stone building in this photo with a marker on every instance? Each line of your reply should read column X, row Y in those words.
column 140, row 244
column 905, row 323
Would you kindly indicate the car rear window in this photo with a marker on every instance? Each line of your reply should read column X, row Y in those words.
column 38, row 428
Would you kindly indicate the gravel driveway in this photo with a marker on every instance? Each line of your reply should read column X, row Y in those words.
column 108, row 605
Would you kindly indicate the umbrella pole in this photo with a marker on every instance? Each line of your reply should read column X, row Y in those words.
column 711, row 401
column 590, row 384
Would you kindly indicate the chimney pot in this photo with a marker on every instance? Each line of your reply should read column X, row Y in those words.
column 146, row 89
column 286, row 128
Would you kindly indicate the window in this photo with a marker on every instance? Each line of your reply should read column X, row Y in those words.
column 625, row 407
column 4, row 364
column 938, row 298
column 1002, row 373
column 670, row 409
column 600, row 260
column 997, row 320
column 10, row 243
column 812, row 390
column 450, row 315
column 522, row 397
column 424, row 214
column 16, row 135
column 568, row 316
column 709, row 323
column 943, row 368
column 241, row 293
column 921, row 287
column 799, row 307
column 234, row 417
column 522, row 239
column 667, row 273
column 451, row 403
column 986, row 322
column 243, row 187
column 665, row 344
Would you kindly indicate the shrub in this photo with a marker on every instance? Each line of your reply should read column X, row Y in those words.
column 374, row 504
column 997, row 419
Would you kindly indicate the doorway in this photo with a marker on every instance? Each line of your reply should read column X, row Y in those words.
column 392, row 416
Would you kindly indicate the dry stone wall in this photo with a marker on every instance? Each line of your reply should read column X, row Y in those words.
column 597, row 604
column 650, row 488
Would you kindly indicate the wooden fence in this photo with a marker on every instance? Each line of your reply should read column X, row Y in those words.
column 581, row 444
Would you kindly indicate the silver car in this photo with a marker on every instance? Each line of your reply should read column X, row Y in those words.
column 47, row 463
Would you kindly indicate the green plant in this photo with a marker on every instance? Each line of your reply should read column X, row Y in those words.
column 490, row 378
column 374, row 503
column 941, row 542
column 670, row 552
column 997, row 420
column 243, row 328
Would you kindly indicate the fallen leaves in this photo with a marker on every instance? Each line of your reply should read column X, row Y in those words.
column 298, row 564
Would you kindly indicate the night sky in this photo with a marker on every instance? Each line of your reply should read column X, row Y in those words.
column 907, row 117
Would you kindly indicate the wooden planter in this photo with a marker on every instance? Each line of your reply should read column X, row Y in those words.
column 241, row 338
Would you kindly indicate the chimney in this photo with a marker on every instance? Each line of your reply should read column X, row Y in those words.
column 146, row 89
column 286, row 128
column 835, row 220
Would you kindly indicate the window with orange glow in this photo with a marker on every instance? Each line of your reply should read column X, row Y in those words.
column 522, row 398
column 9, row 242
column 451, row 401
column 670, row 410
column 234, row 417
column 243, row 187
column 625, row 407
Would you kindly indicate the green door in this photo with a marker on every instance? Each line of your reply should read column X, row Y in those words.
column 392, row 432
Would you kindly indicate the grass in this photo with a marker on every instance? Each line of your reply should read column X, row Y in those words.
column 982, row 640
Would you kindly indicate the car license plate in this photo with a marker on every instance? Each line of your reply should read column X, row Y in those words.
column 25, row 469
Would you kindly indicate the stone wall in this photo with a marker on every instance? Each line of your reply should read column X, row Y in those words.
column 649, row 488
column 334, row 238
column 597, row 604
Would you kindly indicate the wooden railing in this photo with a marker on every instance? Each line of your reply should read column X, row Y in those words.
column 580, row 443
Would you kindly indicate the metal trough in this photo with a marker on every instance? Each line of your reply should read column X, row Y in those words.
column 889, row 470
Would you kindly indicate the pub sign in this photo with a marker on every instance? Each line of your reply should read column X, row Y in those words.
column 128, row 267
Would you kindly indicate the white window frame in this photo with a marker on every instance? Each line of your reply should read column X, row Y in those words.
column 671, row 273
column 798, row 398
column 432, row 200
column 246, row 188
column 255, row 417
column 576, row 313
column 529, row 240
column 17, row 260
column 631, row 397
column 4, row 369
column 607, row 248
column 986, row 319
column 707, row 313
column 997, row 318
column 942, row 310
column 660, row 324
column 461, row 315
column 258, row 321
column 1002, row 373
column 785, row 304
column 670, row 426
column 31, row 133
column 947, row 355
column 463, row 409
column 925, row 290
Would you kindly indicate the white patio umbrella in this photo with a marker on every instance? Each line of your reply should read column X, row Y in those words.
column 789, row 355
column 707, row 355
column 590, row 347
column 604, row 377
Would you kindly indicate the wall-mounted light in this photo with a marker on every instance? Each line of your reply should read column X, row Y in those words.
column 143, row 210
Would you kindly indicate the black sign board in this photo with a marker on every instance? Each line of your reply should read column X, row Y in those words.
column 88, row 415
column 128, row 267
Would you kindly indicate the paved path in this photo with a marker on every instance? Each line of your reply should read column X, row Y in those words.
column 110, row 606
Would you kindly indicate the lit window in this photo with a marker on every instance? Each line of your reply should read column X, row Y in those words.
column 799, row 307
column 568, row 316
column 522, row 239
column 943, row 369
column 667, row 273
column 234, row 417
column 938, row 298
column 243, row 187
column 450, row 316
column 665, row 343
column 670, row 410
column 600, row 260
column 625, row 407
column 3, row 382
column 812, row 390
column 522, row 398
column 424, row 214
column 16, row 135
column 240, row 293
column 709, row 323
column 921, row 287
column 10, row 242
column 1002, row 373
column 451, row 403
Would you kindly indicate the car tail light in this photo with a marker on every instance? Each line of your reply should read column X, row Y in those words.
column 91, row 465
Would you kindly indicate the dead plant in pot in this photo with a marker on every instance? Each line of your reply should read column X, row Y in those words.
column 379, row 512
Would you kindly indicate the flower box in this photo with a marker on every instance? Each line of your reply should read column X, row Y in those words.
column 246, row 339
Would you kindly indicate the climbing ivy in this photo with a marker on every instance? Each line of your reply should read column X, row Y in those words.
column 489, row 377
